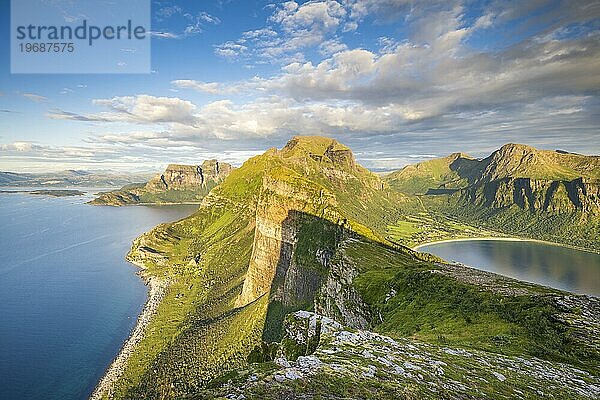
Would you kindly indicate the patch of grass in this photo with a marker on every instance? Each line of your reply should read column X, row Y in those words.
column 412, row 300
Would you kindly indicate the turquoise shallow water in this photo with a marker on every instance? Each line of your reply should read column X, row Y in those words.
column 68, row 298
column 555, row 266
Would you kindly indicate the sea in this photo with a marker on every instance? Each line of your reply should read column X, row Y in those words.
column 68, row 299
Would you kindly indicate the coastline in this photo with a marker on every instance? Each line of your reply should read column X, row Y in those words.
column 145, row 204
column 506, row 239
column 156, row 291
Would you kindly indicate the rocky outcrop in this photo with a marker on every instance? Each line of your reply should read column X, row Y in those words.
column 177, row 184
column 117, row 198
column 337, row 297
column 317, row 350
column 189, row 177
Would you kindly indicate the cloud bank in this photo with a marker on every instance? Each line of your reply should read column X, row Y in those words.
column 392, row 101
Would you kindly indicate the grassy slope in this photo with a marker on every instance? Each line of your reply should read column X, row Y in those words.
column 199, row 307
column 429, row 218
column 198, row 334
column 431, row 307
column 451, row 172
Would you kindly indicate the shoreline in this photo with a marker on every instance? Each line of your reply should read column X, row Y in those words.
column 144, row 204
column 156, row 292
column 506, row 239
column 468, row 239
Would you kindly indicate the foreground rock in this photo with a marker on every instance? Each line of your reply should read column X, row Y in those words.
column 347, row 363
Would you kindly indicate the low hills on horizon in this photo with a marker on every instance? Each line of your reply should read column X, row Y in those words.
column 70, row 178
column 295, row 279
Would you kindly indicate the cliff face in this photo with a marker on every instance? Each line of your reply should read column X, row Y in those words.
column 537, row 195
column 177, row 184
column 299, row 229
column 279, row 218
column 189, row 177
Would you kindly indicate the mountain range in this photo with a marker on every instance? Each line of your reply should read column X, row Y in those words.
column 70, row 178
column 517, row 190
column 294, row 279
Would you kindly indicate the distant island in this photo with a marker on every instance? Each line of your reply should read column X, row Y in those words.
column 296, row 279
column 48, row 192
column 178, row 184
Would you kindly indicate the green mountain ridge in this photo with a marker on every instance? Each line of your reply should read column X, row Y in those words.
column 307, row 228
column 177, row 184
column 452, row 172
column 517, row 190
column 459, row 170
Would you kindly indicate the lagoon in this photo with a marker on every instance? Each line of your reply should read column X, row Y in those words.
column 543, row 263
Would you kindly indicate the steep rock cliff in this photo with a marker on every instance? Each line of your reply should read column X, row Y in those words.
column 189, row 177
column 177, row 184
column 537, row 195
column 299, row 228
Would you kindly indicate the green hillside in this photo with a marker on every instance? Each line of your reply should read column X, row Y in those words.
column 518, row 190
column 452, row 172
column 306, row 228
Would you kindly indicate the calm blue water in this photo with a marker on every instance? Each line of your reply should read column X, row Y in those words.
column 555, row 266
column 68, row 297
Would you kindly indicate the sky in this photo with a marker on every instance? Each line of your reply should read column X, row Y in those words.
column 398, row 81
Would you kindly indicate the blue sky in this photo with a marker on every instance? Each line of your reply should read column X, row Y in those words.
column 399, row 81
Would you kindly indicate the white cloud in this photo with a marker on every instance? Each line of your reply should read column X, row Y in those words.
column 206, row 87
column 193, row 23
column 164, row 35
column 291, row 29
column 314, row 17
column 259, row 33
column 18, row 146
column 332, row 46
column 140, row 109
column 427, row 88
column 485, row 21
column 35, row 97
column 230, row 50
